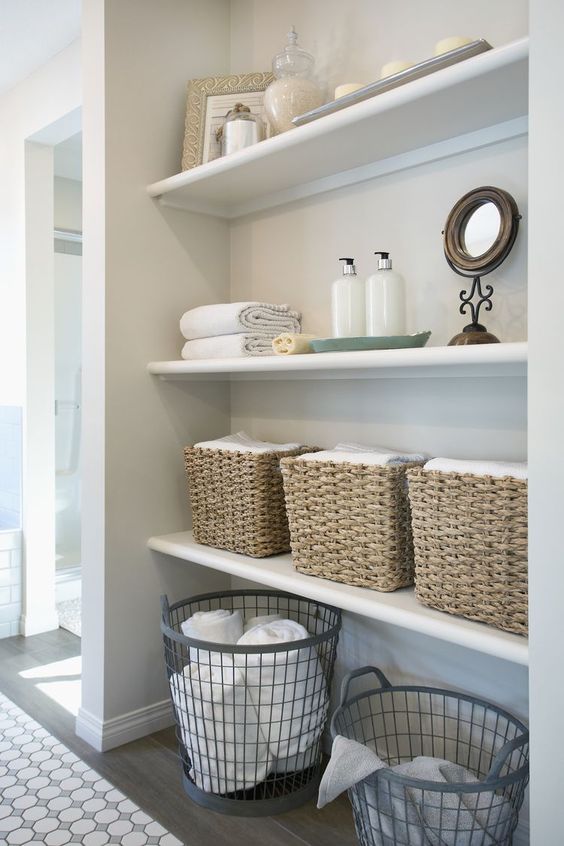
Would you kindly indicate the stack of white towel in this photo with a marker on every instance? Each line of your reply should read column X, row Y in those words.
column 473, row 467
column 241, row 442
column 244, row 716
column 235, row 330
column 352, row 453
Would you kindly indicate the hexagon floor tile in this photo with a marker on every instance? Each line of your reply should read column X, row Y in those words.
column 48, row 795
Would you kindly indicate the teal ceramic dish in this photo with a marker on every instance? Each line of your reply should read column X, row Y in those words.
column 386, row 342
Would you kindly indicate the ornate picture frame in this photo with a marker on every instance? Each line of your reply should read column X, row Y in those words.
column 208, row 101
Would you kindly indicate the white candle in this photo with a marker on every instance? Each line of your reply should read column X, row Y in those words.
column 445, row 45
column 347, row 88
column 390, row 68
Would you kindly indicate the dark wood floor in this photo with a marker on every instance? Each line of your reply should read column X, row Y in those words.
column 147, row 770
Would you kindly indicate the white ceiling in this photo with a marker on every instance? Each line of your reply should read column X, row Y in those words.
column 68, row 158
column 31, row 33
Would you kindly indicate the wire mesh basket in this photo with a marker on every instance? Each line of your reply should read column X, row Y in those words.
column 402, row 722
column 249, row 719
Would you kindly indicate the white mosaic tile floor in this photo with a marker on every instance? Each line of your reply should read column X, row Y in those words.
column 48, row 795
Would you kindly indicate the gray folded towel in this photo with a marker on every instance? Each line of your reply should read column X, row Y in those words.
column 406, row 814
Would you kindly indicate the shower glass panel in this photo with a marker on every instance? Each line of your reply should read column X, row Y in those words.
column 68, row 270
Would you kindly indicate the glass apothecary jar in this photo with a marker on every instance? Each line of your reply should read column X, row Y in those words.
column 293, row 92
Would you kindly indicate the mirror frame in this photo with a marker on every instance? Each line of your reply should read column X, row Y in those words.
column 456, row 253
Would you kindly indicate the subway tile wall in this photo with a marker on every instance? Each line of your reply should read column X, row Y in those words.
column 10, row 466
column 10, row 582
column 10, row 520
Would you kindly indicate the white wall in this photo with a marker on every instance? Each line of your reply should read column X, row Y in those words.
column 143, row 266
column 290, row 254
column 403, row 213
column 546, row 409
column 351, row 41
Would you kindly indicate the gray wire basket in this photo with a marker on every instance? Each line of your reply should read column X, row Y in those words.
column 402, row 722
column 249, row 719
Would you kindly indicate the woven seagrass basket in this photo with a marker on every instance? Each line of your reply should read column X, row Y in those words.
column 350, row 522
column 470, row 539
column 237, row 500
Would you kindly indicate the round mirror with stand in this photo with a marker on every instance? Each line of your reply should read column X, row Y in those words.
column 478, row 236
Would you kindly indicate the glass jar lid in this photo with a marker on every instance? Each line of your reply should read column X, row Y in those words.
column 292, row 61
column 239, row 112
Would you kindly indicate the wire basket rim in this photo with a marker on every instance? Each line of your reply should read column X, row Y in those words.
column 440, row 787
column 452, row 787
column 234, row 648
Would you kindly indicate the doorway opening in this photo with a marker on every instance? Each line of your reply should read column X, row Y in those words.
column 67, row 194
column 51, row 489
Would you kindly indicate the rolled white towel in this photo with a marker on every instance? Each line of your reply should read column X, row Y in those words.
column 219, row 727
column 219, row 626
column 231, row 318
column 241, row 442
column 260, row 621
column 497, row 469
column 228, row 346
column 276, row 633
column 288, row 689
column 352, row 453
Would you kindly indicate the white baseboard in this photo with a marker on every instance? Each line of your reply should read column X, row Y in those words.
column 39, row 623
column 107, row 734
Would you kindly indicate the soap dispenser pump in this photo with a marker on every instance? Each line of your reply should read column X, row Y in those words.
column 385, row 300
column 348, row 303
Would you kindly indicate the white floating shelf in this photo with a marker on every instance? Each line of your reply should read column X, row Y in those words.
column 478, row 360
column 472, row 104
column 399, row 608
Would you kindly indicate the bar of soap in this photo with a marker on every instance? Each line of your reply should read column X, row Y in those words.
column 445, row 45
column 390, row 68
column 347, row 88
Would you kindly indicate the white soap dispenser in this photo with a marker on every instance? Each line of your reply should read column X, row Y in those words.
column 347, row 303
column 385, row 300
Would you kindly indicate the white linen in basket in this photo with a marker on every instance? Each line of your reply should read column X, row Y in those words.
column 219, row 726
column 419, row 816
column 288, row 689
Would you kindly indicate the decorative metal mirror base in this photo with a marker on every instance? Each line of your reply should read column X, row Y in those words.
column 474, row 333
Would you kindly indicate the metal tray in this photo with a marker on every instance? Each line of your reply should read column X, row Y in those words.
column 389, row 82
